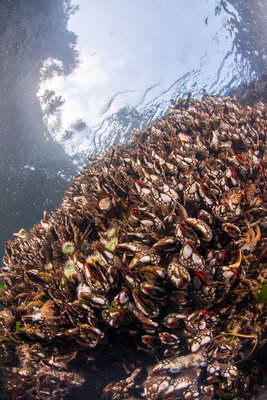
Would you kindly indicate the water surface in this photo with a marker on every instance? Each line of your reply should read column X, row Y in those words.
column 135, row 56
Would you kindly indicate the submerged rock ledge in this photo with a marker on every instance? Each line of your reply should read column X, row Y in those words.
column 148, row 281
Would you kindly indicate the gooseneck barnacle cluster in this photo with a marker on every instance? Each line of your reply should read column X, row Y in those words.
column 153, row 261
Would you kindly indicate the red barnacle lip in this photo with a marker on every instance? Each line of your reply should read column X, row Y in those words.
column 231, row 230
column 227, row 205
column 181, row 227
column 94, row 272
column 135, row 212
column 67, row 308
column 213, row 253
column 242, row 160
column 139, row 183
column 138, row 214
column 90, row 266
column 201, row 274
column 127, row 367
column 223, row 252
column 138, row 298
column 205, row 312
column 165, row 336
column 98, row 247
column 28, row 273
column 155, row 187
column 146, row 339
column 82, row 330
column 233, row 171
column 204, row 188
column 140, row 301
column 147, row 291
column 192, row 245
column 119, row 250
column 207, row 180
column 174, row 299
column 208, row 192
column 122, row 268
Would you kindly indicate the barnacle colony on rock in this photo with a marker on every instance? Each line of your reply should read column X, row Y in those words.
column 152, row 266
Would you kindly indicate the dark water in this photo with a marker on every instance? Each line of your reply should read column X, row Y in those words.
column 119, row 68
column 33, row 171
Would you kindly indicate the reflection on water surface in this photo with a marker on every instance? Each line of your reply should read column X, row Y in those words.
column 135, row 58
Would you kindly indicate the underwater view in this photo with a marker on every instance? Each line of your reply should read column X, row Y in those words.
column 133, row 221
